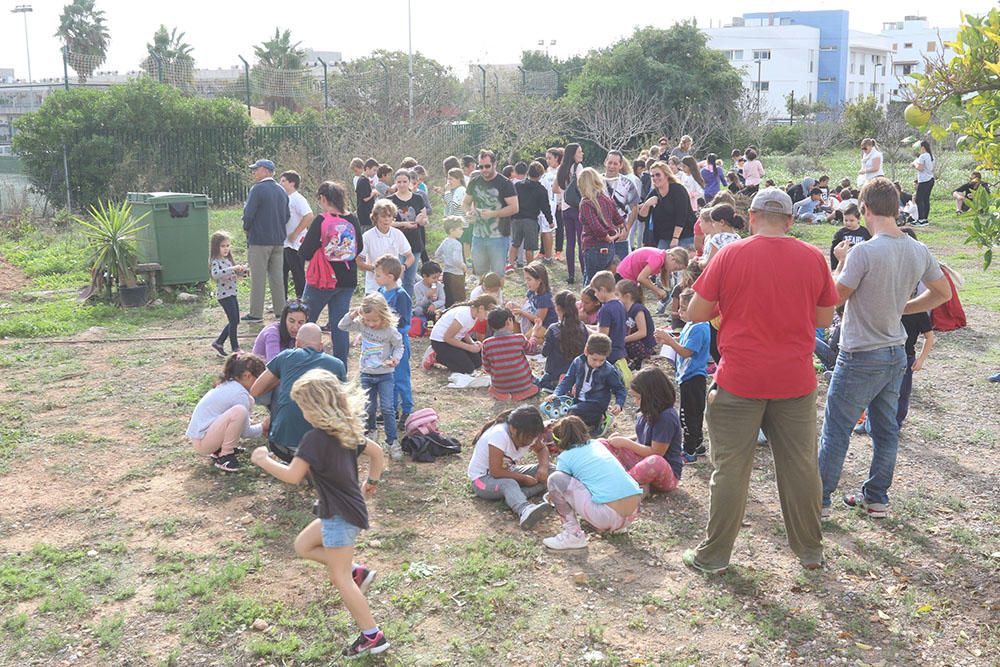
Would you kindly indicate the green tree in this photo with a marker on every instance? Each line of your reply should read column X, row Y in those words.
column 279, row 78
column 129, row 137
column 170, row 59
column 972, row 79
column 85, row 37
column 378, row 85
column 673, row 67
column 567, row 70
column 862, row 118
column 801, row 107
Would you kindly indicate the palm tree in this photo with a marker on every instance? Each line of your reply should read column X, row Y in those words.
column 85, row 37
column 279, row 77
column 170, row 58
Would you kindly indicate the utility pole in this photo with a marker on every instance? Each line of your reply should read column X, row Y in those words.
column 24, row 10
column 409, row 32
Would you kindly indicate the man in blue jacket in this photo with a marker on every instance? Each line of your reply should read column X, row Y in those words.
column 264, row 216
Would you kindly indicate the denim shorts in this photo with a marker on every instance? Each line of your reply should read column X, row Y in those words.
column 337, row 532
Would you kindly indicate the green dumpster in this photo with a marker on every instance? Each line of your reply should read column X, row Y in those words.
column 175, row 235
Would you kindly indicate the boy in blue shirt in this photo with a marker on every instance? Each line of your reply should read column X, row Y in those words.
column 388, row 269
column 612, row 317
column 592, row 381
column 692, row 376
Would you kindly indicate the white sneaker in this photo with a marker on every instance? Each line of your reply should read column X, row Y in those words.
column 566, row 540
column 532, row 514
column 395, row 451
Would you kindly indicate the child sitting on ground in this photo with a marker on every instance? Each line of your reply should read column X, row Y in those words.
column 428, row 293
column 223, row 414
column 329, row 455
column 639, row 341
column 493, row 469
column 588, row 481
column 592, row 382
column 692, row 376
column 452, row 259
column 564, row 340
column 504, row 359
column 381, row 352
column 588, row 306
column 654, row 458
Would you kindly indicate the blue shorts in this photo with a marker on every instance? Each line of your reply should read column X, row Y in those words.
column 337, row 532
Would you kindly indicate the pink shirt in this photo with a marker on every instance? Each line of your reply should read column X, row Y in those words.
column 752, row 172
column 633, row 264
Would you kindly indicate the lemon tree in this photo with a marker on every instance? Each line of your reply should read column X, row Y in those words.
column 972, row 78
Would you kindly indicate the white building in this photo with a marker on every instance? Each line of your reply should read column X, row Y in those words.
column 914, row 41
column 776, row 60
column 869, row 68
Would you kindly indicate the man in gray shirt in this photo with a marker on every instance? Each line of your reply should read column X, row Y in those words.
column 875, row 281
column 264, row 216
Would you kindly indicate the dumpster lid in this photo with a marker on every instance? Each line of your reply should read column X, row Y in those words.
column 166, row 197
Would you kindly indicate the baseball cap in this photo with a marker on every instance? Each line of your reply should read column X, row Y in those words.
column 267, row 164
column 772, row 200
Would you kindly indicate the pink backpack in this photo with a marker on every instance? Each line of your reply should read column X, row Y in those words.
column 423, row 422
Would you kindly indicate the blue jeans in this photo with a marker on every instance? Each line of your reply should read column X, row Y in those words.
column 825, row 354
column 863, row 379
column 620, row 250
column 338, row 301
column 401, row 377
column 409, row 277
column 489, row 255
column 594, row 260
column 381, row 391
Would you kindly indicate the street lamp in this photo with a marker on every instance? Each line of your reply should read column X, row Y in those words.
column 25, row 10
column 759, row 62
column 409, row 33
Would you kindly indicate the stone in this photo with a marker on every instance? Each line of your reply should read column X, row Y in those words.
column 185, row 297
column 260, row 625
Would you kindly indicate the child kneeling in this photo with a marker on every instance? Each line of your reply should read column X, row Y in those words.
column 329, row 454
column 588, row 481
column 592, row 381
column 223, row 414
column 493, row 470
column 504, row 358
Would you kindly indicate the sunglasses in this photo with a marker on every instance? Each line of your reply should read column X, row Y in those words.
column 486, row 166
column 297, row 307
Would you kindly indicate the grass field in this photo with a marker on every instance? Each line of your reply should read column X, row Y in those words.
column 119, row 546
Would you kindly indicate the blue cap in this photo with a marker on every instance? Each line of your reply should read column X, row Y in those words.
column 267, row 164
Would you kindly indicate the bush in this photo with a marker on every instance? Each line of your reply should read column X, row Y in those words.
column 782, row 139
column 107, row 135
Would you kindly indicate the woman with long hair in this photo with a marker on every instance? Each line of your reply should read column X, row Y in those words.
column 569, row 170
column 692, row 181
column 600, row 221
column 871, row 161
column 713, row 175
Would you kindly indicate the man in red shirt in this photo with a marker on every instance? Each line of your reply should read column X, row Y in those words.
column 771, row 291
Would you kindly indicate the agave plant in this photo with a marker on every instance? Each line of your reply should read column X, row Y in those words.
column 111, row 233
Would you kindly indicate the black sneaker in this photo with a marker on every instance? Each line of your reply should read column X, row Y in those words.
column 236, row 450
column 363, row 577
column 228, row 463
column 221, row 351
column 326, row 328
column 363, row 645
column 250, row 318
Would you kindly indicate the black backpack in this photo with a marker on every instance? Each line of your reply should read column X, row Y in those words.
column 426, row 448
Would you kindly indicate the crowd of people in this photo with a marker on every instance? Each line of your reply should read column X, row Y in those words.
column 748, row 309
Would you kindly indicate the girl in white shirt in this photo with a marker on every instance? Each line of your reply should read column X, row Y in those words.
column 494, row 471
column 451, row 340
column 726, row 230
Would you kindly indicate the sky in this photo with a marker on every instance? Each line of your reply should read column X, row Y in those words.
column 454, row 33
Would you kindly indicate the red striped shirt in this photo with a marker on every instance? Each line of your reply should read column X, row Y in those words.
column 504, row 359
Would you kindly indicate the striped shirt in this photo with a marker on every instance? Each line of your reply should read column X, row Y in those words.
column 504, row 359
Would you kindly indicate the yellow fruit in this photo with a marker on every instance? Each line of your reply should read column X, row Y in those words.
column 916, row 117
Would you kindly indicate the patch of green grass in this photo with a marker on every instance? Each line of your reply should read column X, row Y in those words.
column 231, row 611
column 67, row 600
column 108, row 632
column 285, row 647
column 15, row 626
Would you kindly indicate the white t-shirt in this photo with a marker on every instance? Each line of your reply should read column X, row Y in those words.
column 377, row 244
column 867, row 162
column 478, row 291
column 548, row 179
column 298, row 208
column 460, row 314
column 496, row 436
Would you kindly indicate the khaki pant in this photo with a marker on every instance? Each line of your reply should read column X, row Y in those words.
column 790, row 425
column 266, row 264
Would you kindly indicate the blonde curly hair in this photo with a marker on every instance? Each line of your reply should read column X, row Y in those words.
column 331, row 406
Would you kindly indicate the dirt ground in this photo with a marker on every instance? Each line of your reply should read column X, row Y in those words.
column 144, row 554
